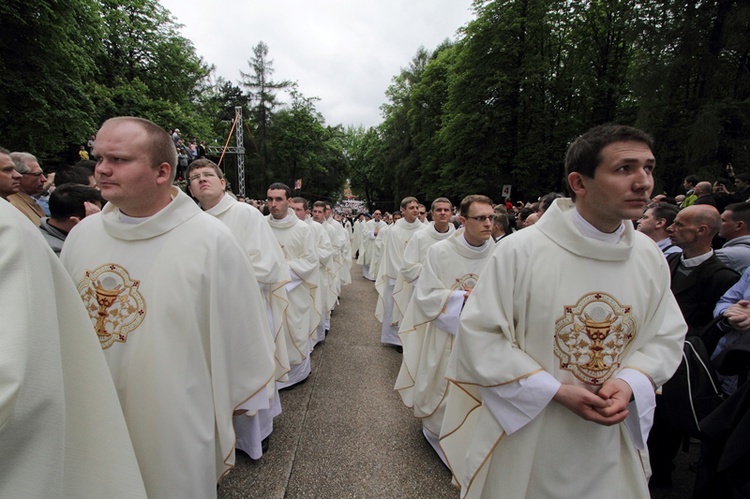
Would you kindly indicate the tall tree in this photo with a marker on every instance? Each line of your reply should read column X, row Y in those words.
column 262, row 91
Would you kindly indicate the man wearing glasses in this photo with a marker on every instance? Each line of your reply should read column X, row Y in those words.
column 450, row 271
column 563, row 342
column 32, row 184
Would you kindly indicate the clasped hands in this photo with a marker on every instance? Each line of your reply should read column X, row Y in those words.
column 738, row 315
column 608, row 407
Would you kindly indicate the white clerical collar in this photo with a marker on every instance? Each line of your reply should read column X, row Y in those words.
column 132, row 220
column 696, row 260
column 588, row 230
column 477, row 249
column 285, row 219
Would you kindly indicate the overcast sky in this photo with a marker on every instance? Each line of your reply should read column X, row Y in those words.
column 345, row 52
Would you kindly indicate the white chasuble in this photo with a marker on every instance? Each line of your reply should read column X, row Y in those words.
column 271, row 269
column 303, row 316
column 62, row 432
column 325, row 252
column 414, row 255
column 451, row 268
column 178, row 312
column 582, row 310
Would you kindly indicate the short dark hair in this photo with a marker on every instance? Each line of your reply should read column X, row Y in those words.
column 281, row 186
column 320, row 204
column 740, row 212
column 67, row 201
column 665, row 211
column 89, row 164
column 692, row 179
column 302, row 201
column 72, row 175
column 584, row 154
column 471, row 199
column 745, row 177
column 547, row 200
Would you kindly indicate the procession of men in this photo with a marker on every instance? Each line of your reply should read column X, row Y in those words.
column 533, row 354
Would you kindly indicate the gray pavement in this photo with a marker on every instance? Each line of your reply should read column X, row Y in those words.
column 345, row 432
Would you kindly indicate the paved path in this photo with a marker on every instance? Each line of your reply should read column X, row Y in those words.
column 345, row 432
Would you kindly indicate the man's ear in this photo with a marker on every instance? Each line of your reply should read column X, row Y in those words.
column 661, row 223
column 164, row 173
column 576, row 183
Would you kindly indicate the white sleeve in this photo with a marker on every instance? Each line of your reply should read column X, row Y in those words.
column 448, row 319
column 296, row 281
column 641, row 416
column 516, row 404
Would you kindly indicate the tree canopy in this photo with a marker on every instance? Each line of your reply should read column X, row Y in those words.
column 495, row 107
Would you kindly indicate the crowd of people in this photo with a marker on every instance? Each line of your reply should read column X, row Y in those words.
column 538, row 341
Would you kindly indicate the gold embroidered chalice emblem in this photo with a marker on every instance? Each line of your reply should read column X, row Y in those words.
column 598, row 331
column 105, row 298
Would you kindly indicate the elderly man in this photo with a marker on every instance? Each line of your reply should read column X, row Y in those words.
column 206, row 183
column 298, row 244
column 450, row 271
column 392, row 261
column 32, row 184
column 10, row 179
column 735, row 228
column 654, row 223
column 703, row 194
column 186, row 339
column 698, row 280
column 568, row 332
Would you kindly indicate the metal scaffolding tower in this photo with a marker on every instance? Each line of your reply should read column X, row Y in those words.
column 238, row 150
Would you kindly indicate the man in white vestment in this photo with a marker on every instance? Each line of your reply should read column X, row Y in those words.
column 565, row 338
column 206, row 183
column 416, row 251
column 343, row 246
column 449, row 273
column 186, row 340
column 370, row 230
column 61, row 426
column 298, row 244
column 334, row 267
column 392, row 261
column 325, row 252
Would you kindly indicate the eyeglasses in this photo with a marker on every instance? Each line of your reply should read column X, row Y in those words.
column 203, row 175
column 35, row 174
column 483, row 218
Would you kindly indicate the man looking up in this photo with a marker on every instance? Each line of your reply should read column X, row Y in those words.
column 568, row 332
column 450, row 271
column 416, row 250
column 186, row 339
column 654, row 223
column 298, row 244
column 10, row 179
column 206, row 183
column 392, row 260
column 32, row 184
